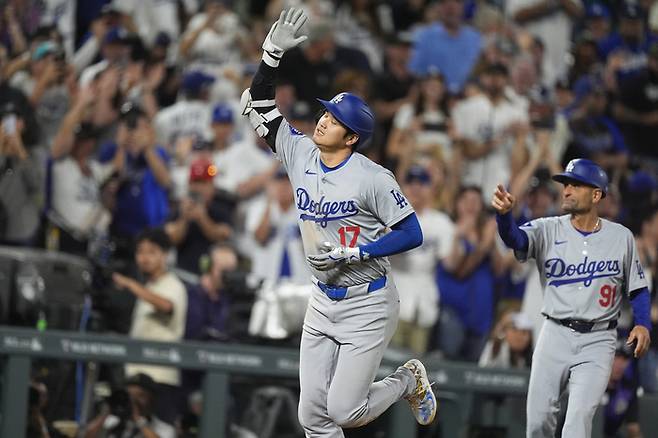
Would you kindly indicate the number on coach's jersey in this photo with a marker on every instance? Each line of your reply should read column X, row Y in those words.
column 399, row 198
column 607, row 293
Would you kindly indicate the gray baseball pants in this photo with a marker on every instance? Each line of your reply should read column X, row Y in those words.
column 568, row 360
column 341, row 348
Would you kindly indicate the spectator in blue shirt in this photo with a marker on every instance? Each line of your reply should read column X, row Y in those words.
column 207, row 303
column 466, row 280
column 631, row 41
column 449, row 46
column 141, row 195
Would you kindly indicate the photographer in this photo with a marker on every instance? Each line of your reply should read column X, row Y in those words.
column 159, row 314
column 203, row 218
column 20, row 182
column 143, row 180
column 208, row 304
column 129, row 413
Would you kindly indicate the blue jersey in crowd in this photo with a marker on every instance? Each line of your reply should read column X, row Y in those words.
column 140, row 201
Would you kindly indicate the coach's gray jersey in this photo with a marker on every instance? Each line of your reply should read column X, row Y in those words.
column 583, row 276
column 349, row 206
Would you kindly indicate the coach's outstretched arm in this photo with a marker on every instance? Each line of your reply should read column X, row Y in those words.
column 514, row 237
column 257, row 102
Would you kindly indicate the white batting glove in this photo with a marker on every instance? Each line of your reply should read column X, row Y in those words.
column 332, row 256
column 284, row 35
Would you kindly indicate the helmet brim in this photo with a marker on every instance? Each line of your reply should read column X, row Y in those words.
column 567, row 177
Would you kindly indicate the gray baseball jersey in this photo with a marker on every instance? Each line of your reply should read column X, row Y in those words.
column 348, row 206
column 583, row 276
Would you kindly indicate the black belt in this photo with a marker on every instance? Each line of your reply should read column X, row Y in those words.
column 585, row 326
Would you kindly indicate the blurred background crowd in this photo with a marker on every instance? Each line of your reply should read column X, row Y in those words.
column 121, row 142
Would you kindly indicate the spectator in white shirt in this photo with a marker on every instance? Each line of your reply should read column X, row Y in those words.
column 214, row 35
column 510, row 345
column 190, row 116
column 272, row 222
column 115, row 51
column 75, row 183
column 488, row 126
column 159, row 313
column 552, row 21
column 414, row 271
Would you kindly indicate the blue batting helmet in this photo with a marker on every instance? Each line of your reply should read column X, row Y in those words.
column 586, row 172
column 353, row 112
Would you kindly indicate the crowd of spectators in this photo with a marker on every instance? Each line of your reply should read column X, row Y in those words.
column 121, row 136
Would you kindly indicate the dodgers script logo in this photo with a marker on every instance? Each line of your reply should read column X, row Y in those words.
column 324, row 211
column 584, row 272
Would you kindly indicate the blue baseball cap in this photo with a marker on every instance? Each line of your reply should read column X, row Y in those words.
column 417, row 173
column 195, row 80
column 642, row 182
column 116, row 35
column 222, row 114
column 597, row 10
column 162, row 39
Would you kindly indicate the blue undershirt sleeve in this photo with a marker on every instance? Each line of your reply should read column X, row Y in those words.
column 641, row 304
column 512, row 235
column 404, row 235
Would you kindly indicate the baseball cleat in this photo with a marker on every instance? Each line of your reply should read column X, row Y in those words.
column 422, row 400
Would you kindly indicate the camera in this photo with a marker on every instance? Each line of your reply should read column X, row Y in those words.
column 120, row 404
column 130, row 115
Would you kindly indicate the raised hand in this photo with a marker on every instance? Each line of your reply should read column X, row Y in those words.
column 285, row 32
column 502, row 200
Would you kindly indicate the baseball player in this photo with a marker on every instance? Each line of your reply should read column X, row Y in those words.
column 586, row 264
column 345, row 204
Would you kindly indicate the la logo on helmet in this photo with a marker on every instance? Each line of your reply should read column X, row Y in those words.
column 338, row 98
column 570, row 166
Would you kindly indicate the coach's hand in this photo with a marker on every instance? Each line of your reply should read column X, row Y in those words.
column 502, row 200
column 643, row 338
column 285, row 32
column 332, row 256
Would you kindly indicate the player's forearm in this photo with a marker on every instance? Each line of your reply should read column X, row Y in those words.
column 512, row 235
column 404, row 236
column 641, row 304
column 262, row 89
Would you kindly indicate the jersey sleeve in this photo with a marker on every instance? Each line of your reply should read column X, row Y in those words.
column 536, row 232
column 290, row 143
column 633, row 271
column 385, row 199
